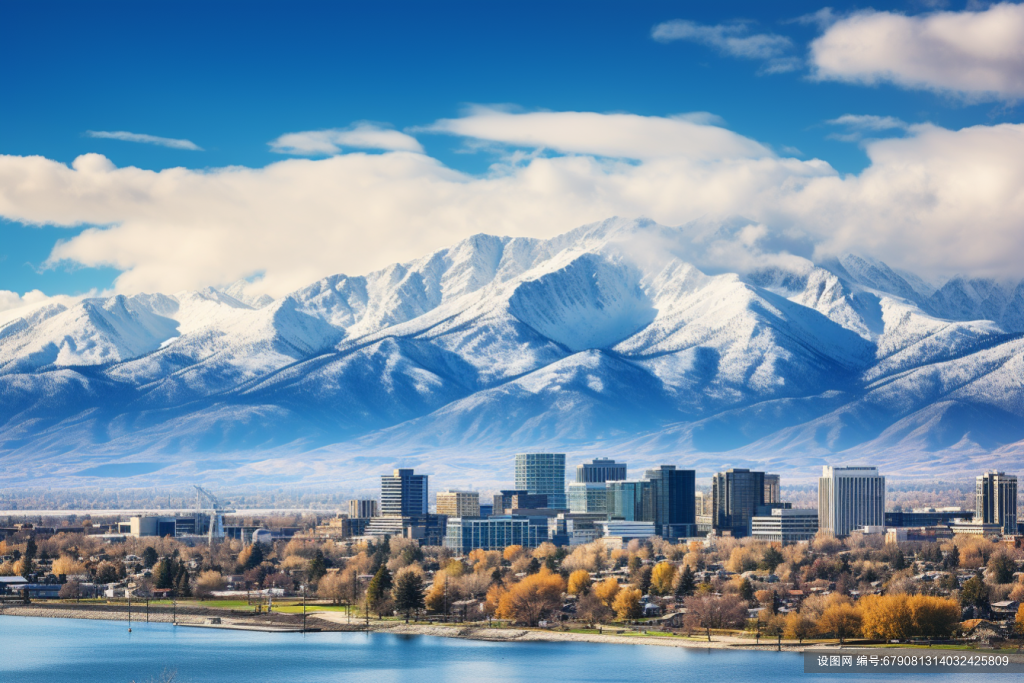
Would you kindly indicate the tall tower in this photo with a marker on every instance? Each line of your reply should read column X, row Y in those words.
column 674, row 502
column 403, row 493
column 995, row 500
column 542, row 473
column 772, row 489
column 737, row 493
column 849, row 498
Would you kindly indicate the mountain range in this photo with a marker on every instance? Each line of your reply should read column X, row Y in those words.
column 615, row 339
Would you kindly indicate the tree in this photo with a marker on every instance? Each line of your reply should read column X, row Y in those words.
column 952, row 558
column 841, row 619
column 183, row 589
column 24, row 566
column 591, row 610
column 662, row 577
column 934, row 617
column 627, row 604
column 1001, row 567
column 380, row 587
column 899, row 560
column 511, row 552
column 533, row 598
column 974, row 592
column 408, row 590
column 799, row 626
column 332, row 587
column 149, row 557
column 163, row 574
column 251, row 556
column 607, row 590
column 579, row 582
column 886, row 617
column 317, row 567
column 208, row 582
column 745, row 589
column 70, row 591
column 684, row 583
column 771, row 559
column 67, row 566
column 1018, row 623
column 712, row 611
column 642, row 578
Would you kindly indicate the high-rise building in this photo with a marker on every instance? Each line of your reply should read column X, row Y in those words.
column 542, row 473
column 503, row 500
column 674, row 505
column 403, row 493
column 588, row 498
column 360, row 509
column 995, row 500
column 632, row 501
column 850, row 498
column 702, row 503
column 737, row 493
column 772, row 489
column 600, row 470
column 458, row 503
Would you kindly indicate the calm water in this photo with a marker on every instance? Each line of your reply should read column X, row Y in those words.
column 56, row 650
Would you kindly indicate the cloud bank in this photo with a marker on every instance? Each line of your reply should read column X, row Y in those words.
column 144, row 139
column 934, row 201
column 973, row 54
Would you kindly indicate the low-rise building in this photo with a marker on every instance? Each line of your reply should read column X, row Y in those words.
column 923, row 534
column 494, row 533
column 974, row 528
column 785, row 525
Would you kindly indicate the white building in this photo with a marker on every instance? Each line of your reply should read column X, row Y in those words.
column 786, row 525
column 850, row 498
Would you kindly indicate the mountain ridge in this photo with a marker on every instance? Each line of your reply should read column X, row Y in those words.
column 608, row 339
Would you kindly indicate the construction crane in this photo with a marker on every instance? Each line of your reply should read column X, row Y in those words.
column 216, row 512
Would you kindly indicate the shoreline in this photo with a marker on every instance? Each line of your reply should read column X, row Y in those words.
column 336, row 622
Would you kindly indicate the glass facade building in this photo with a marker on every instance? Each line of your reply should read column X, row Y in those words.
column 850, row 498
column 542, row 473
column 995, row 500
column 736, row 495
column 673, row 492
column 588, row 498
column 493, row 533
column 631, row 501
column 772, row 488
column 403, row 493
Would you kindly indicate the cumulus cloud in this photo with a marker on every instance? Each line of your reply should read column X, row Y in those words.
column 14, row 305
column 734, row 39
column 145, row 139
column 933, row 201
column 974, row 54
column 360, row 136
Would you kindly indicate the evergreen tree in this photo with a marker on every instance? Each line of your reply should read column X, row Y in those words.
column 408, row 592
column 184, row 590
column 380, row 585
column 685, row 583
column 771, row 559
column 255, row 557
column 952, row 559
column 534, row 566
column 746, row 590
column 899, row 560
column 149, row 557
column 317, row 567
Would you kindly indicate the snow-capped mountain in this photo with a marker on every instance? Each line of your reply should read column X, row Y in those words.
column 614, row 338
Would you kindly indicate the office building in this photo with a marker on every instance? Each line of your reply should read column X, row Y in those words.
column 574, row 529
column 772, row 489
column 589, row 498
column 600, row 470
column 702, row 503
column 631, row 501
column 426, row 529
column 403, row 493
column 530, row 501
column 617, row 532
column 361, row 509
column 542, row 473
column 494, row 533
column 174, row 526
column 458, row 503
column 919, row 517
column 503, row 500
column 976, row 528
column 850, row 498
column 674, row 501
column 785, row 525
column 995, row 500
column 736, row 493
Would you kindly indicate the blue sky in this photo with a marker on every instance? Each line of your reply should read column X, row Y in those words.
column 232, row 77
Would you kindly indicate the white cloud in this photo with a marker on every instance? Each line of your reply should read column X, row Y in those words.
column 974, row 54
column 145, row 139
column 935, row 201
column 732, row 39
column 625, row 136
column 14, row 305
column 868, row 122
column 361, row 136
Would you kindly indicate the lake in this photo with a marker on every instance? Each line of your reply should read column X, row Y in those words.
column 39, row 650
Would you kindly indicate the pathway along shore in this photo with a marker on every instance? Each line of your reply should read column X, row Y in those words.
column 335, row 621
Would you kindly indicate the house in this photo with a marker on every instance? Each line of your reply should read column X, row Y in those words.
column 11, row 585
column 1006, row 609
